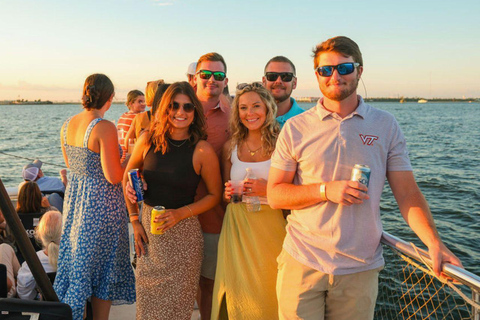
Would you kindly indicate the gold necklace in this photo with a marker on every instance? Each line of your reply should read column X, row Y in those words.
column 252, row 153
column 177, row 145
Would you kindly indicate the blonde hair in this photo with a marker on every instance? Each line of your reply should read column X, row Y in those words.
column 159, row 126
column 152, row 87
column 270, row 128
column 48, row 234
column 132, row 96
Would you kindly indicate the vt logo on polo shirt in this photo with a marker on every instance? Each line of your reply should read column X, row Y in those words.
column 368, row 139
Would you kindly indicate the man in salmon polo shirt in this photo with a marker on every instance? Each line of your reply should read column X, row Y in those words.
column 210, row 80
column 331, row 257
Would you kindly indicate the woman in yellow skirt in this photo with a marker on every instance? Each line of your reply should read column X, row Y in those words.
column 250, row 241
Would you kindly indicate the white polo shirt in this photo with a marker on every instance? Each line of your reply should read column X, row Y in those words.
column 321, row 146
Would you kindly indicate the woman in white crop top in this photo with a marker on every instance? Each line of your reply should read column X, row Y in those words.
column 249, row 241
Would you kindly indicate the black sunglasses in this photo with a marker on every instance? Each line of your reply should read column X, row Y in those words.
column 187, row 107
column 242, row 86
column 217, row 75
column 342, row 69
column 285, row 76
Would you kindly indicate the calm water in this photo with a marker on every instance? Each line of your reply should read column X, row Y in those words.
column 443, row 140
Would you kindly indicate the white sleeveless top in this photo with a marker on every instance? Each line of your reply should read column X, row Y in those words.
column 238, row 170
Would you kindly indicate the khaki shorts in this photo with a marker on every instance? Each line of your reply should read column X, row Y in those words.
column 210, row 252
column 306, row 293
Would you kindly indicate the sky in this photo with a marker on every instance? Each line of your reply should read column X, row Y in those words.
column 428, row 49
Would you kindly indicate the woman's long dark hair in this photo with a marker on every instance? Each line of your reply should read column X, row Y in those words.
column 160, row 125
column 29, row 198
column 98, row 88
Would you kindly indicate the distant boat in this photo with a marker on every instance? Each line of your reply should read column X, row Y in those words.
column 422, row 101
column 402, row 100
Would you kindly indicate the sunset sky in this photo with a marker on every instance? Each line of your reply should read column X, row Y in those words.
column 410, row 48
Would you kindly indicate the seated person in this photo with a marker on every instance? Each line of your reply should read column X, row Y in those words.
column 53, row 187
column 8, row 258
column 48, row 233
column 30, row 199
column 30, row 208
column 5, row 234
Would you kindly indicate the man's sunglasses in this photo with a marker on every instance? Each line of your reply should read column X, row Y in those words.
column 285, row 76
column 217, row 75
column 342, row 69
column 187, row 107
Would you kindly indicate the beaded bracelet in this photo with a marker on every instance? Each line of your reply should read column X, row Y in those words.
column 133, row 217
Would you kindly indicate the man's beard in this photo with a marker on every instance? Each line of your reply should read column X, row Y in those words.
column 343, row 94
column 283, row 97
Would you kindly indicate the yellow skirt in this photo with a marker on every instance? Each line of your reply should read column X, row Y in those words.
column 247, row 263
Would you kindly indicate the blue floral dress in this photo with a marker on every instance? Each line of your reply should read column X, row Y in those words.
column 94, row 251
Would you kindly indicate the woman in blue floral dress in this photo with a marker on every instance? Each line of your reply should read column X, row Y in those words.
column 94, row 253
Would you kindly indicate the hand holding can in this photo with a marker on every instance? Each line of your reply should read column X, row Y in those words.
column 136, row 183
column 156, row 211
column 361, row 173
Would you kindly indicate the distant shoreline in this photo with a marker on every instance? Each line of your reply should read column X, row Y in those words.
column 42, row 103
column 299, row 99
column 400, row 100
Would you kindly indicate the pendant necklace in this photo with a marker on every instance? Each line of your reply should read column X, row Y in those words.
column 177, row 145
column 252, row 153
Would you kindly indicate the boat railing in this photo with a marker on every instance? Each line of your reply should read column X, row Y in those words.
column 409, row 289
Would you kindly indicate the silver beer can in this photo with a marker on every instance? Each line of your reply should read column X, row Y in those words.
column 361, row 173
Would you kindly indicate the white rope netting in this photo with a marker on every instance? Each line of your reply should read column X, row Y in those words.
column 410, row 290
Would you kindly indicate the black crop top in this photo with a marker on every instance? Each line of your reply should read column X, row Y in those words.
column 171, row 179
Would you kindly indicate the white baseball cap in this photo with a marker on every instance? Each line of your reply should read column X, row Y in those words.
column 192, row 68
column 30, row 171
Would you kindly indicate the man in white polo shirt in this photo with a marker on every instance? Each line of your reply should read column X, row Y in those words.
column 331, row 256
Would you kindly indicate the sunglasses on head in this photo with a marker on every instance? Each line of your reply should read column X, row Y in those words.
column 342, row 69
column 285, row 76
column 187, row 107
column 242, row 86
column 217, row 75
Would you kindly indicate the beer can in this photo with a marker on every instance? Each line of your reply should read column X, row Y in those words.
column 136, row 182
column 361, row 173
column 156, row 211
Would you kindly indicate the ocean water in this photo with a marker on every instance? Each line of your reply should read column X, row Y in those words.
column 443, row 140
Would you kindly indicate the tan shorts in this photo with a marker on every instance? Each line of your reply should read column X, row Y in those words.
column 306, row 293
column 210, row 252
